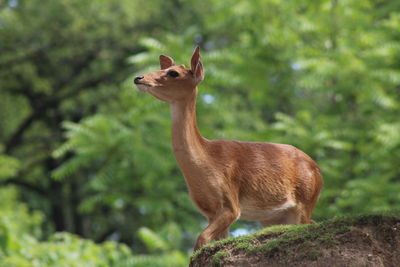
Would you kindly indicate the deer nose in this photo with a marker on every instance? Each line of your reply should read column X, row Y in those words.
column 137, row 79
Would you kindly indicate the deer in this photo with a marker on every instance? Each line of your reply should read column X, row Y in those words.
column 275, row 184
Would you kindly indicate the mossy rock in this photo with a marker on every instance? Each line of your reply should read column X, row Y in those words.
column 365, row 240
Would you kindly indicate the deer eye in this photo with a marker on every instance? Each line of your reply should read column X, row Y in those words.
column 173, row 73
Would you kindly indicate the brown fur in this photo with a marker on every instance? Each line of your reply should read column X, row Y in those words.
column 266, row 182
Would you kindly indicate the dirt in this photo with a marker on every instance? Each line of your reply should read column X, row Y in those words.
column 372, row 240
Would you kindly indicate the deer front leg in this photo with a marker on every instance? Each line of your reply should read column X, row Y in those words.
column 218, row 226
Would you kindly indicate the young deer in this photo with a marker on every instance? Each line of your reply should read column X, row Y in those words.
column 227, row 180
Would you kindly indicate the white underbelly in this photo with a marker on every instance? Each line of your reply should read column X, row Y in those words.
column 249, row 211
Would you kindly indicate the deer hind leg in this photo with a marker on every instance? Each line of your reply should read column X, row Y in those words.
column 218, row 226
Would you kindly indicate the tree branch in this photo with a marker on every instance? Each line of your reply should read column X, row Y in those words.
column 48, row 103
column 37, row 113
column 26, row 185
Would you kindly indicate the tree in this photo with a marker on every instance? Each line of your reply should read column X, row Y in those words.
column 55, row 58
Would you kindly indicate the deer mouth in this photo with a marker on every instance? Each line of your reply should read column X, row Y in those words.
column 143, row 86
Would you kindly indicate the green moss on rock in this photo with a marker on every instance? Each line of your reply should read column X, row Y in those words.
column 218, row 258
column 296, row 242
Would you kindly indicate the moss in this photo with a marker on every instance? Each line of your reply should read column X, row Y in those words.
column 244, row 246
column 244, row 243
column 218, row 258
column 269, row 248
column 210, row 247
column 300, row 241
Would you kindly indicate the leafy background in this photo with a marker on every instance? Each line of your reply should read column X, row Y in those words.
column 87, row 176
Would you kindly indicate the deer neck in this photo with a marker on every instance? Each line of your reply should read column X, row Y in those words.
column 187, row 142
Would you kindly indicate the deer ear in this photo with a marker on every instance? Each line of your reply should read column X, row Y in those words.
column 197, row 66
column 166, row 62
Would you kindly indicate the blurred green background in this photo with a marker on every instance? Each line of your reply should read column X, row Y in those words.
column 87, row 174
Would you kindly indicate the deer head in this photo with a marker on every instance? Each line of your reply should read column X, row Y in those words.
column 173, row 83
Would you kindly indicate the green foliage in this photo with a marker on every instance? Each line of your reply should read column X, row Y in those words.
column 68, row 250
column 8, row 166
column 21, row 245
column 17, row 224
column 336, row 97
column 64, row 249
